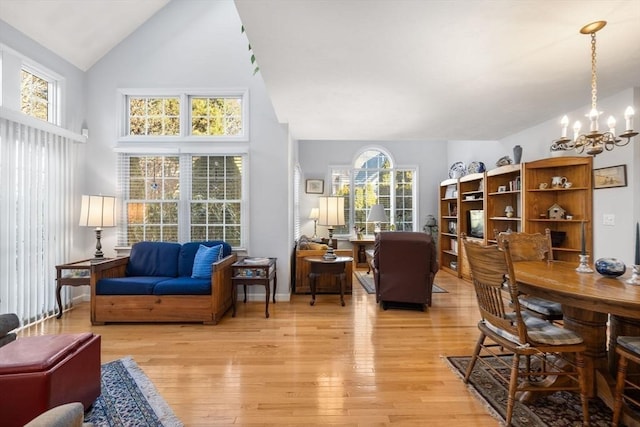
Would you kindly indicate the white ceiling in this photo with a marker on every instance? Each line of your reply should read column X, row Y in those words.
column 391, row 69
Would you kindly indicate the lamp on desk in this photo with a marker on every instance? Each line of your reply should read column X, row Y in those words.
column 99, row 212
column 314, row 215
column 377, row 215
column 331, row 214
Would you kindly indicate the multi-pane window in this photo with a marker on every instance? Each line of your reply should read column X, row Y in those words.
column 216, row 116
column 373, row 180
column 216, row 200
column 37, row 94
column 196, row 116
column 154, row 116
column 182, row 198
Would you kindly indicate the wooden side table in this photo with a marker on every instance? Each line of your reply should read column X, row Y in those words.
column 359, row 248
column 72, row 274
column 335, row 267
column 254, row 271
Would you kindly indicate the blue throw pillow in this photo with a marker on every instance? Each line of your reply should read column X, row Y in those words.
column 203, row 260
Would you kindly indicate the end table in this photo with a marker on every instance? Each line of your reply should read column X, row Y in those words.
column 254, row 271
column 78, row 274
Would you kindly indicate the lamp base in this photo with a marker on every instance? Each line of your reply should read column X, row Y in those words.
column 635, row 277
column 98, row 255
column 329, row 255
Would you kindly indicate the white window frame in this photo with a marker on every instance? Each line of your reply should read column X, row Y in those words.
column 185, row 96
column 393, row 170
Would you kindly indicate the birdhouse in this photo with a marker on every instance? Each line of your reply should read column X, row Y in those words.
column 556, row 212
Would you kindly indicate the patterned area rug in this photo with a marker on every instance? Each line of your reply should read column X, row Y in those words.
column 560, row 409
column 129, row 398
column 366, row 280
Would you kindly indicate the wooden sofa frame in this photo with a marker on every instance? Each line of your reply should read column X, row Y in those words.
column 208, row 309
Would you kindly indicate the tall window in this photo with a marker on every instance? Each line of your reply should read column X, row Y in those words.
column 371, row 180
column 183, row 191
column 38, row 93
column 182, row 198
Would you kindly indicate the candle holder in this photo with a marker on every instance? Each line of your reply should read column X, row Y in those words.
column 584, row 264
column 635, row 276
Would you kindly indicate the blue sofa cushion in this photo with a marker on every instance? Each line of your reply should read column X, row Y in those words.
column 188, row 254
column 183, row 286
column 139, row 285
column 154, row 259
column 204, row 258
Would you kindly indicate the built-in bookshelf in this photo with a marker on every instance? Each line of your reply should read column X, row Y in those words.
column 448, row 230
column 504, row 201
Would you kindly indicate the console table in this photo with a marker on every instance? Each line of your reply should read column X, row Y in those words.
column 254, row 271
column 335, row 267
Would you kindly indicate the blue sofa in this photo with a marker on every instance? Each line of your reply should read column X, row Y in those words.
column 157, row 282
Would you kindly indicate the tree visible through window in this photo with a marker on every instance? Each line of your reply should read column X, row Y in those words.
column 35, row 93
column 373, row 180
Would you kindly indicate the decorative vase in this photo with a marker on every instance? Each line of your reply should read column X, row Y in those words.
column 517, row 154
column 612, row 267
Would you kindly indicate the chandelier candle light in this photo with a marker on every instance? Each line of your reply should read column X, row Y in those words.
column 594, row 142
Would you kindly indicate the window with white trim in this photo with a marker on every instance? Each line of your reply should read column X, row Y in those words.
column 38, row 94
column 193, row 115
column 373, row 179
column 184, row 197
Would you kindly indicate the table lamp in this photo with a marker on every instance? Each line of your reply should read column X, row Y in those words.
column 331, row 214
column 99, row 212
column 314, row 215
column 377, row 215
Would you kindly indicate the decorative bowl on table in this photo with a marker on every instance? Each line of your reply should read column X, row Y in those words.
column 611, row 267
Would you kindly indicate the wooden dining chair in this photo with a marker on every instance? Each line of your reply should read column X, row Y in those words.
column 628, row 349
column 541, row 345
column 532, row 247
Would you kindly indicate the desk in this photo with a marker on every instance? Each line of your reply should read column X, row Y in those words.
column 335, row 267
column 79, row 274
column 588, row 299
column 256, row 271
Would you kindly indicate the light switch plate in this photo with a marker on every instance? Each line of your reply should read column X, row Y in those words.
column 608, row 219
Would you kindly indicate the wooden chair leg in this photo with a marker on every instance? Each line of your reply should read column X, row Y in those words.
column 476, row 353
column 622, row 374
column 513, row 387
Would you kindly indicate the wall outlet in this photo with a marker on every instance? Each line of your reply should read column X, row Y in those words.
column 608, row 219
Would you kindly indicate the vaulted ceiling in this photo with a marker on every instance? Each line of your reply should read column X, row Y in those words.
column 391, row 69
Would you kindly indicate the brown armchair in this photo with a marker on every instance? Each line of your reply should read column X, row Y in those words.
column 404, row 265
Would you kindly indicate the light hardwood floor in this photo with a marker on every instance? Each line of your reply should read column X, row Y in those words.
column 323, row 365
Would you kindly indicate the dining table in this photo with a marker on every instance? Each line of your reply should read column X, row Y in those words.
column 599, row 308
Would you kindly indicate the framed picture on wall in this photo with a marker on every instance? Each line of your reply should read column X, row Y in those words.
column 314, row 186
column 613, row 176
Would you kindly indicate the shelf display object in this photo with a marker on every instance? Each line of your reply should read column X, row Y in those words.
column 448, row 230
column 504, row 201
column 559, row 196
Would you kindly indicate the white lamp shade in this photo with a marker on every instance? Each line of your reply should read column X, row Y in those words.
column 377, row 214
column 331, row 211
column 315, row 213
column 98, row 211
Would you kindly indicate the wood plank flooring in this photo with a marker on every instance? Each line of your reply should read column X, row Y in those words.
column 323, row 365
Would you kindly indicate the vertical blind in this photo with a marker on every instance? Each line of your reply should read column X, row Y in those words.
column 36, row 215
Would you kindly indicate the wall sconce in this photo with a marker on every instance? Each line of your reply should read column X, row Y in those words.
column 99, row 212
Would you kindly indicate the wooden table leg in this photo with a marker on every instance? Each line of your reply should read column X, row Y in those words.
column 342, row 279
column 59, row 298
column 266, row 306
column 275, row 285
column 312, row 283
column 234, row 299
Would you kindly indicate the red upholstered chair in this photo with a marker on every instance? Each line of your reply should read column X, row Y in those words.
column 404, row 265
column 40, row 372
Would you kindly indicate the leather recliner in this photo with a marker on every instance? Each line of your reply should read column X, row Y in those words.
column 404, row 265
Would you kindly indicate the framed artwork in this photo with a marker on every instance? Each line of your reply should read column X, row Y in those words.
column 315, row 186
column 612, row 176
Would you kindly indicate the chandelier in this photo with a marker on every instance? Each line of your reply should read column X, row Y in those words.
column 594, row 141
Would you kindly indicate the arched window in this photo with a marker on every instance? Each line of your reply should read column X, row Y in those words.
column 373, row 179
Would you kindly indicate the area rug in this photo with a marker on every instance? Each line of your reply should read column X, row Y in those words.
column 129, row 398
column 366, row 280
column 560, row 409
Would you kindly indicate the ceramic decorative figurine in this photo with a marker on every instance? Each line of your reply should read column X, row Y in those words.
column 610, row 267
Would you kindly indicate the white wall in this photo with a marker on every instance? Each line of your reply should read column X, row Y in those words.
column 315, row 157
column 196, row 44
